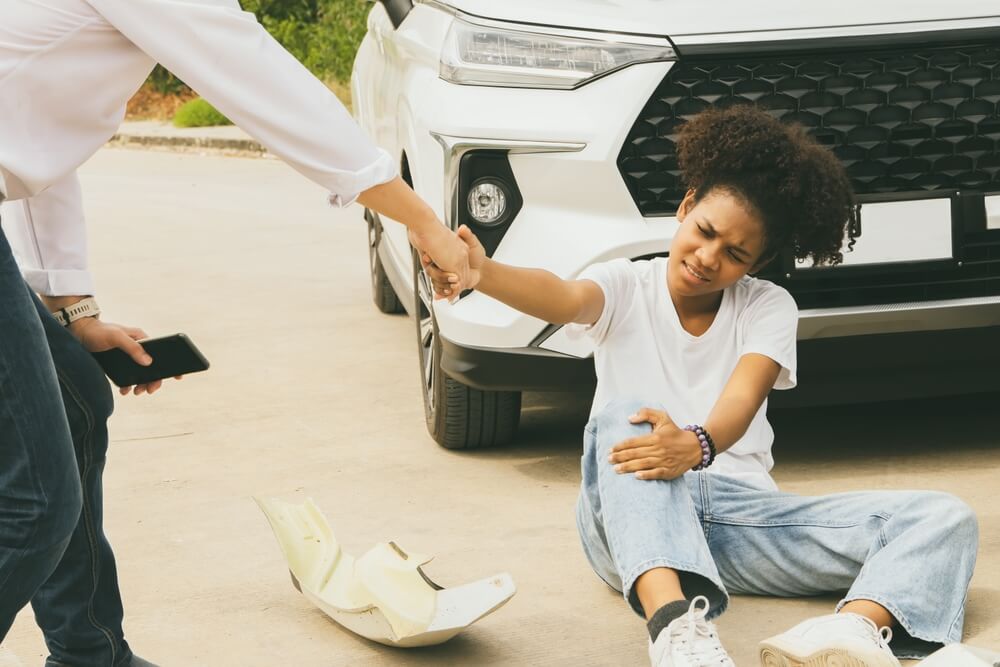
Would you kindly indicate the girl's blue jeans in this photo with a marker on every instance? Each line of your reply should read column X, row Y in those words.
column 913, row 552
column 54, row 406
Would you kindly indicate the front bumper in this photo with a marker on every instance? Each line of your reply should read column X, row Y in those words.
column 854, row 369
column 521, row 369
column 895, row 366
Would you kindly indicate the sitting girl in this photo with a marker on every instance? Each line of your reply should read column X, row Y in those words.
column 677, row 509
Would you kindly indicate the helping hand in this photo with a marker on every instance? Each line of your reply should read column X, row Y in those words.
column 445, row 249
column 446, row 284
column 666, row 453
column 98, row 336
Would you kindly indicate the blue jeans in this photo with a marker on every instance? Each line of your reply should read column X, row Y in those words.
column 913, row 552
column 54, row 405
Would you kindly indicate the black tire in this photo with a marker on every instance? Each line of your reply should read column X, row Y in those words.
column 383, row 294
column 457, row 415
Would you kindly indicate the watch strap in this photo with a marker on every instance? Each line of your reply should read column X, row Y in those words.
column 83, row 308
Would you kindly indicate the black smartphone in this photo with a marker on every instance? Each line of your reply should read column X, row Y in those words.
column 172, row 355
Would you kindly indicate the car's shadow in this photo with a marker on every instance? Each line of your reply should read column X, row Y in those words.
column 549, row 440
column 912, row 426
column 907, row 433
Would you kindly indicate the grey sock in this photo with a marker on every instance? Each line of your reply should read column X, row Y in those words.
column 665, row 615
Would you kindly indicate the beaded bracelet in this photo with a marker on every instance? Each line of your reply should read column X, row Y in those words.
column 707, row 446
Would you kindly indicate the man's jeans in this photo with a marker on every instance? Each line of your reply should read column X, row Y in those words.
column 913, row 552
column 54, row 405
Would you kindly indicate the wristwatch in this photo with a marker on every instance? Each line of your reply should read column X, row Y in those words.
column 82, row 308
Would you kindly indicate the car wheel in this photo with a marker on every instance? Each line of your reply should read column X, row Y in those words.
column 458, row 416
column 383, row 294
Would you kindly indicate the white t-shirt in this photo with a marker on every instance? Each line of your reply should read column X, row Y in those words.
column 643, row 352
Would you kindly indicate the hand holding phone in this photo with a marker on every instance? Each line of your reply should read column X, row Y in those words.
column 172, row 356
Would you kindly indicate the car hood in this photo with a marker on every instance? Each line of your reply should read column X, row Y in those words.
column 680, row 18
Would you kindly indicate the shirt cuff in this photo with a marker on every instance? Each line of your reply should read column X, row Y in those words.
column 59, row 282
column 382, row 170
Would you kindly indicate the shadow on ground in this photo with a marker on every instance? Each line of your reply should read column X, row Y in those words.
column 870, row 439
column 964, row 424
column 552, row 425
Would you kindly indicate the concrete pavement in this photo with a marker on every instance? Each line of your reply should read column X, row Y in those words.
column 312, row 392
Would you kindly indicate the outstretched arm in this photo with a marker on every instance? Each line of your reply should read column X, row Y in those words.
column 535, row 292
column 225, row 55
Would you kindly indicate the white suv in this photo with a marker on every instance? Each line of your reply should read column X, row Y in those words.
column 548, row 127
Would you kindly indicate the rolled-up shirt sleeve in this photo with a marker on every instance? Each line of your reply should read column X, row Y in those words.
column 225, row 55
column 48, row 235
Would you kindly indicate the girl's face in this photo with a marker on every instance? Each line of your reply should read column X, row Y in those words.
column 718, row 242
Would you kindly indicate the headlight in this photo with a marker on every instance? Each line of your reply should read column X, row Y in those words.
column 495, row 55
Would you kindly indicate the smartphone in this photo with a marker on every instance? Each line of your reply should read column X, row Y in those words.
column 172, row 355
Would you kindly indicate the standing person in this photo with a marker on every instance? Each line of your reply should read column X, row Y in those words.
column 67, row 69
column 677, row 508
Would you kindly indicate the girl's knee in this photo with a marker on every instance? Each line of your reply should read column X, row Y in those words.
column 613, row 420
column 950, row 514
column 625, row 407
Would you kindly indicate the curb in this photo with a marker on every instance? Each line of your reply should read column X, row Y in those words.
column 215, row 145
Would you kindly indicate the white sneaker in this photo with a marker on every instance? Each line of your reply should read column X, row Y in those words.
column 836, row 640
column 8, row 659
column 689, row 641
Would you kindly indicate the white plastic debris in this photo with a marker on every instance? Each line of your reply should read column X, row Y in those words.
column 383, row 595
column 960, row 655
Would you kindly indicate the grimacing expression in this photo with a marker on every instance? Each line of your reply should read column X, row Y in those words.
column 719, row 241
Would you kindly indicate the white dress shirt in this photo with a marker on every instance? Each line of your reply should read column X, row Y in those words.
column 67, row 69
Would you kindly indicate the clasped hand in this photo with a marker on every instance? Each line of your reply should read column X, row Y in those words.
column 455, row 258
column 666, row 453
column 448, row 285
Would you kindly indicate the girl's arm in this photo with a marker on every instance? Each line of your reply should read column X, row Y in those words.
column 744, row 393
column 542, row 294
column 535, row 292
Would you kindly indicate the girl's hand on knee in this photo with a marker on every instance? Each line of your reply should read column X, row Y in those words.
column 666, row 453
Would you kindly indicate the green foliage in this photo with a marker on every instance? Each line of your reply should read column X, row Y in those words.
column 305, row 11
column 199, row 113
column 323, row 34
column 164, row 82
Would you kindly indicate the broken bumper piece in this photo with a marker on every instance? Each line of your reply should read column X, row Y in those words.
column 383, row 595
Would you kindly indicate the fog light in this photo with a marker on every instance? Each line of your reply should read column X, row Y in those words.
column 487, row 201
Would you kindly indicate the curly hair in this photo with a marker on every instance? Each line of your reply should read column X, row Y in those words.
column 799, row 189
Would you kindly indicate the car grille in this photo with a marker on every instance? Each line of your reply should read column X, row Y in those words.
column 901, row 121
column 905, row 121
column 977, row 276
